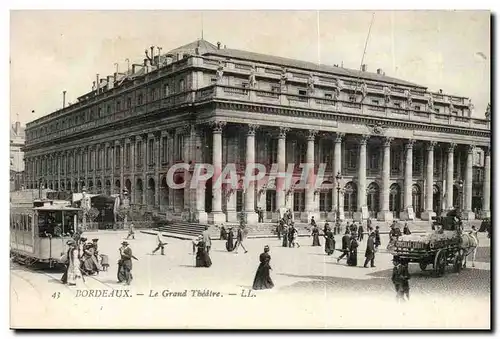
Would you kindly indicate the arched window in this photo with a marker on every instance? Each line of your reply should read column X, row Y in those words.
column 373, row 199
column 395, row 200
column 166, row 90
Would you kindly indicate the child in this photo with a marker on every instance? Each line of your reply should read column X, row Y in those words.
column 131, row 232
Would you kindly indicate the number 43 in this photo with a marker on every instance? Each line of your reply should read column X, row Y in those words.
column 56, row 295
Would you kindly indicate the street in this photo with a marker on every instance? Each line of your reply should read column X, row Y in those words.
column 311, row 290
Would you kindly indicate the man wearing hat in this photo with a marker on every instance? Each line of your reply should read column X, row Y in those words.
column 125, row 264
column 370, row 251
column 400, row 277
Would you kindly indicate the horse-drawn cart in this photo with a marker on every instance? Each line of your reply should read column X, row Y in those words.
column 438, row 249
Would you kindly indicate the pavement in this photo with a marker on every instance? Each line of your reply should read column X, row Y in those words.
column 311, row 291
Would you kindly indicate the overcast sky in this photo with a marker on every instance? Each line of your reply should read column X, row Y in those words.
column 52, row 51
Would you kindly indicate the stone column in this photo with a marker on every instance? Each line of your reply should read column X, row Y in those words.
column 200, row 214
column 157, row 164
column 133, row 145
column 337, row 168
column 59, row 158
column 362, row 212
column 485, row 211
column 217, row 216
column 123, row 146
column 408, row 213
column 251, row 216
column 449, row 177
column 467, row 212
column 429, row 187
column 144, row 171
column 113, row 163
column 280, row 182
column 385, row 214
column 87, row 156
column 311, row 178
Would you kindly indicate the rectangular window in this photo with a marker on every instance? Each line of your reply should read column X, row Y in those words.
column 273, row 152
column 138, row 153
column 245, row 84
column 275, row 89
column 325, row 201
column 117, row 156
column 109, row 155
column 164, row 149
column 271, row 201
column 302, row 92
column 328, row 95
column 127, row 155
column 298, row 201
column 300, row 153
column 139, row 99
column 397, row 104
column 417, row 108
column 118, row 106
column 352, row 161
column 395, row 160
column 151, row 152
column 375, row 102
column 129, row 102
column 373, row 165
column 455, row 112
column 99, row 112
column 180, row 146
column 108, row 109
column 352, row 98
column 166, row 91
column 213, row 80
column 181, row 85
column 436, row 110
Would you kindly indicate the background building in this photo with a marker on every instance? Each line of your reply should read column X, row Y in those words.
column 403, row 151
column 17, row 139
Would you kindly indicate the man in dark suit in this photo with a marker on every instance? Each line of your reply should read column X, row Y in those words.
column 206, row 239
column 346, row 239
column 370, row 251
column 125, row 264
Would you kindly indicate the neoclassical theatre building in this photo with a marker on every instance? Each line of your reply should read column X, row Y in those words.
column 402, row 151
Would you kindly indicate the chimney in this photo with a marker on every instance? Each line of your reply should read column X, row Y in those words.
column 97, row 83
column 64, row 99
column 218, row 45
column 93, row 85
column 18, row 127
column 379, row 71
column 134, row 67
column 111, row 80
column 363, row 68
column 440, row 91
column 152, row 55
column 146, row 65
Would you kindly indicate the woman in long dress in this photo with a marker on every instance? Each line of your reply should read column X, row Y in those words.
column 202, row 257
column 329, row 241
column 90, row 264
column 315, row 235
column 230, row 242
column 285, row 235
column 73, row 273
column 262, row 278
column 353, row 252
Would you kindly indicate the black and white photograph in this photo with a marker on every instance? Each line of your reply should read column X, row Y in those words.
column 250, row 169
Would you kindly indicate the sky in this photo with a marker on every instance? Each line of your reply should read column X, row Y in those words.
column 52, row 51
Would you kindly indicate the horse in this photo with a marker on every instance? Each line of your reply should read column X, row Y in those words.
column 469, row 246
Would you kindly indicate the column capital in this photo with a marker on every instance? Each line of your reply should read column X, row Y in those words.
column 339, row 137
column 451, row 147
column 217, row 126
column 311, row 134
column 470, row 148
column 282, row 132
column 431, row 145
column 387, row 141
column 363, row 139
column 409, row 144
column 252, row 128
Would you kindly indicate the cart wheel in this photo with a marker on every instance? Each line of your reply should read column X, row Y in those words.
column 423, row 265
column 440, row 263
column 458, row 262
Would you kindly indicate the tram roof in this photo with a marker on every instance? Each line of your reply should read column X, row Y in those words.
column 56, row 208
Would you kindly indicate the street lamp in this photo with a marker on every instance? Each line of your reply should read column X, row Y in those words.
column 338, row 177
column 460, row 194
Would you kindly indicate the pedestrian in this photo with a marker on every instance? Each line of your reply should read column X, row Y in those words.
column 125, row 264
column 240, row 238
column 346, row 240
column 406, row 229
column 230, row 240
column 262, row 278
column 202, row 256
column 207, row 239
column 315, row 236
column 279, row 228
column 313, row 222
column 161, row 244
column 360, row 232
column 370, row 251
column 400, row 279
column 377, row 237
column 290, row 234
column 72, row 274
column 223, row 233
column 353, row 251
column 260, row 213
column 369, row 225
column 295, row 236
column 285, row 236
column 131, row 232
column 329, row 241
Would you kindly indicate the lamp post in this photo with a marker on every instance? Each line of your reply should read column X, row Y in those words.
column 85, row 207
column 460, row 194
column 338, row 177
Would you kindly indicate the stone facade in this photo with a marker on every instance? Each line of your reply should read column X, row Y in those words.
column 403, row 152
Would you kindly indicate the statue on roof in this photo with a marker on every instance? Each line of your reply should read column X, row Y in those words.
column 430, row 102
column 387, row 94
column 284, row 77
column 364, row 91
column 220, row 71
column 487, row 114
column 452, row 107
column 408, row 97
column 310, row 83
column 252, row 78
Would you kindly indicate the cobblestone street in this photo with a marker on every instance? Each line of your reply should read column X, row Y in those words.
column 337, row 295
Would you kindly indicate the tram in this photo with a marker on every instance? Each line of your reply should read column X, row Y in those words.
column 38, row 233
